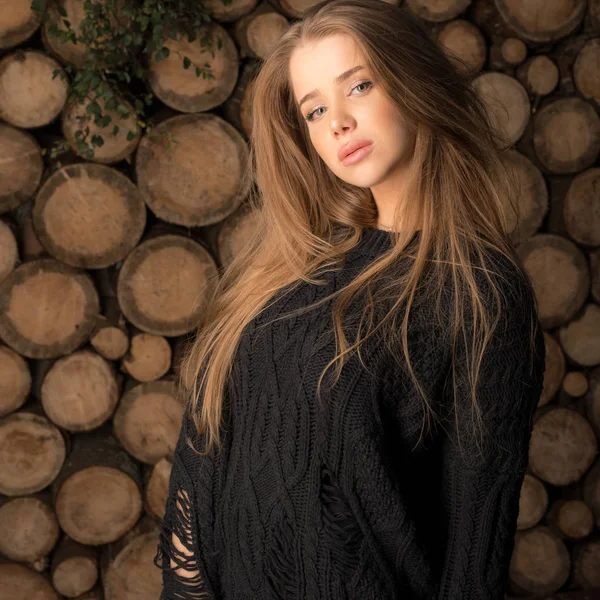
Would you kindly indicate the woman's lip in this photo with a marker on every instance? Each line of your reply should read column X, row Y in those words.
column 357, row 155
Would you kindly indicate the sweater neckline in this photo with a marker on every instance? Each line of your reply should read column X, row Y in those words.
column 375, row 241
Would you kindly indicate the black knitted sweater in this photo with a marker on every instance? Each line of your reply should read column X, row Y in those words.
column 342, row 499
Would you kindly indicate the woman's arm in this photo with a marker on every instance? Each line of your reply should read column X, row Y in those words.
column 481, row 490
column 178, row 553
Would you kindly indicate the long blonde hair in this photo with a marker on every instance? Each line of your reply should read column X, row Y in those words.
column 308, row 218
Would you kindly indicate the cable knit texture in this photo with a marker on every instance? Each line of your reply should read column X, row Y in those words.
column 342, row 501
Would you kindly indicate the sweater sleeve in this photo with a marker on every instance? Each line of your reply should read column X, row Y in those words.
column 481, row 485
column 178, row 553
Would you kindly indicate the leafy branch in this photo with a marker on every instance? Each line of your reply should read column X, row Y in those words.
column 118, row 38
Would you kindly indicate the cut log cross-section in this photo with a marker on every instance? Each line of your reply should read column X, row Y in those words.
column 21, row 167
column 165, row 283
column 19, row 582
column 197, row 178
column 89, row 215
column 32, row 452
column 148, row 419
column 182, row 89
column 29, row 527
column 47, row 308
column 98, row 492
column 566, row 135
column 80, row 391
column 30, row 94
column 15, row 380
column 19, row 21
column 74, row 568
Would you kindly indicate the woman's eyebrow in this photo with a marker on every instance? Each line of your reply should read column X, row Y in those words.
column 337, row 80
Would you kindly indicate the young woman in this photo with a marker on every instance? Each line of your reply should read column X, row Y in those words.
column 365, row 379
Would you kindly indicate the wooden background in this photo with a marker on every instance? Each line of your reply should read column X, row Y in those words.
column 105, row 267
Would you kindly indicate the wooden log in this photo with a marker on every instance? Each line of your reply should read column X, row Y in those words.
column 148, row 358
column 225, row 13
column 19, row 22
column 594, row 258
column 32, row 452
column 436, row 11
column 542, row 20
column 29, row 244
column 513, row 50
column 571, row 519
column 80, row 391
column 540, row 562
column 71, row 52
column 586, row 563
column 592, row 23
column 186, row 275
column 195, row 182
column 592, row 401
column 464, row 44
column 111, row 336
column 575, row 384
column 564, row 55
column 533, row 502
column 560, row 276
column 237, row 109
column 29, row 527
column 118, row 144
column 539, row 75
column 563, row 446
column 259, row 31
column 127, row 566
column 181, row 88
column 9, row 251
column 580, row 338
column 148, row 420
column 156, row 490
column 74, row 568
column 72, row 204
column 97, row 494
column 581, row 208
column 15, row 380
column 234, row 232
column 29, row 95
column 507, row 103
column 47, row 308
column 576, row 124
column 591, row 490
column 21, row 166
column 529, row 202
column 96, row 593
column 19, row 582
column 555, row 369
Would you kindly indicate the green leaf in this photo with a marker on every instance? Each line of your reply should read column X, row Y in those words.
column 97, row 140
column 130, row 136
column 186, row 62
column 111, row 103
column 38, row 5
column 93, row 108
column 162, row 54
column 115, row 130
column 61, row 10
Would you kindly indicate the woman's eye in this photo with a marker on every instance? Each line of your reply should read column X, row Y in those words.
column 309, row 116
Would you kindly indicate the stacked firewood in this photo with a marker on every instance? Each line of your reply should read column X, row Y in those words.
column 107, row 264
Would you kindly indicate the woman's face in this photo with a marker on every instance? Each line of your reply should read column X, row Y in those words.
column 355, row 108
